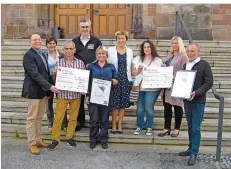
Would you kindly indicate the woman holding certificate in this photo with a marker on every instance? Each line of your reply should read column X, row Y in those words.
column 176, row 58
column 102, row 77
column 121, row 57
column 147, row 96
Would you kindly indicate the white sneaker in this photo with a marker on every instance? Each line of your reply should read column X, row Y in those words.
column 149, row 132
column 137, row 131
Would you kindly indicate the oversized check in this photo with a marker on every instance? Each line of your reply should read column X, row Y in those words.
column 183, row 84
column 157, row 77
column 100, row 91
column 75, row 80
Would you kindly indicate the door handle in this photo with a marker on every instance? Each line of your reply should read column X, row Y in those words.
column 95, row 11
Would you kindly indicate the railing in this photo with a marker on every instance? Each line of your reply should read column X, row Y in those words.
column 215, row 93
column 220, row 122
column 183, row 26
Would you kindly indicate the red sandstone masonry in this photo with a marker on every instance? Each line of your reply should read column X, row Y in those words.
column 225, row 6
column 219, row 11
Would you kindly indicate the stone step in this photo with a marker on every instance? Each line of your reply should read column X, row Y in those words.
column 212, row 49
column 16, row 96
column 18, row 88
column 221, row 84
column 210, row 112
column 128, row 122
column 207, row 138
column 217, row 74
column 202, row 43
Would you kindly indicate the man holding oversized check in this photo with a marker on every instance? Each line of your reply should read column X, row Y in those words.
column 192, row 85
column 71, row 80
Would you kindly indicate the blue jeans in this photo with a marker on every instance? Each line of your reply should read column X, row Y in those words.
column 194, row 114
column 146, row 102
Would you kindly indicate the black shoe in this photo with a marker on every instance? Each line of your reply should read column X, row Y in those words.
column 78, row 127
column 192, row 160
column 71, row 142
column 164, row 134
column 184, row 153
column 120, row 132
column 114, row 131
column 104, row 145
column 92, row 145
column 53, row 145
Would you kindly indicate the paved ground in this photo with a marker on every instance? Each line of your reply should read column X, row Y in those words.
column 15, row 155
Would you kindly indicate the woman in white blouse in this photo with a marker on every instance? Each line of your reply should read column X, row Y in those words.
column 147, row 97
column 121, row 57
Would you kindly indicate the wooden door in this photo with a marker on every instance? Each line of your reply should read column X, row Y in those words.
column 109, row 18
column 106, row 18
column 67, row 16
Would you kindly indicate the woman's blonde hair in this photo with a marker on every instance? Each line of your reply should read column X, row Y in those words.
column 181, row 45
column 103, row 48
column 125, row 33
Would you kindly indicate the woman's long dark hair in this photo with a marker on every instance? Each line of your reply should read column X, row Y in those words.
column 153, row 50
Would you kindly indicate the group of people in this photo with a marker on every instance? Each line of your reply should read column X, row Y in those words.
column 118, row 65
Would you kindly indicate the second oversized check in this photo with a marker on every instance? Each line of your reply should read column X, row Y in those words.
column 157, row 77
column 75, row 80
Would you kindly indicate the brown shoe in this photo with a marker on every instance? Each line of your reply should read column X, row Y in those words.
column 34, row 150
column 42, row 144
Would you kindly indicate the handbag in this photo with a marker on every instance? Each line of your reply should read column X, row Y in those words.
column 134, row 93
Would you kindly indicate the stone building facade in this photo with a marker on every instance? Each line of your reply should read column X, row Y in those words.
column 155, row 21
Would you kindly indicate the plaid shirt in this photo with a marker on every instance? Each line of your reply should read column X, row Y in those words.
column 76, row 64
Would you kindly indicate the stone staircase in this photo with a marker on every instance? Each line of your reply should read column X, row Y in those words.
column 217, row 53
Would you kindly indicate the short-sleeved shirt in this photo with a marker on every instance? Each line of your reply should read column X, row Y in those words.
column 75, row 64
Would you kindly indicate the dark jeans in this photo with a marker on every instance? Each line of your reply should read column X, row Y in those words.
column 194, row 114
column 99, row 115
column 178, row 111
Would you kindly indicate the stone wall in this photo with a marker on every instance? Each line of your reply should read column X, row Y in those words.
column 22, row 20
column 204, row 21
column 221, row 20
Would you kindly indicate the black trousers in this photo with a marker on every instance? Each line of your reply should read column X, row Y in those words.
column 178, row 111
column 99, row 120
column 81, row 116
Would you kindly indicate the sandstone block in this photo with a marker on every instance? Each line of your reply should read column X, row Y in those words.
column 219, row 11
column 225, row 6
column 217, row 17
column 162, row 20
column 26, row 13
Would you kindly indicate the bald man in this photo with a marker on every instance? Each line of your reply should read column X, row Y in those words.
column 36, row 87
column 194, row 107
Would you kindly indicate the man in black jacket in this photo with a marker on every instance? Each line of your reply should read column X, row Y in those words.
column 86, row 46
column 194, row 107
column 35, row 89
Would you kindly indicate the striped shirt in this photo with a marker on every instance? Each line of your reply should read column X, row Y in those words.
column 76, row 64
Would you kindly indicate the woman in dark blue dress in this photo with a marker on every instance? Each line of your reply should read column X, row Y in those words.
column 121, row 56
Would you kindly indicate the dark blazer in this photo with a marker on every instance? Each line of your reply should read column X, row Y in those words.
column 36, row 82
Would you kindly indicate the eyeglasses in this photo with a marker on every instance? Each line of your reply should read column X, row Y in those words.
column 68, row 48
column 83, row 27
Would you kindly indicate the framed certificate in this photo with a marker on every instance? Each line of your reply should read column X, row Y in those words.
column 69, row 79
column 183, row 84
column 100, row 91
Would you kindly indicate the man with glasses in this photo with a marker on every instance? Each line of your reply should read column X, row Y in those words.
column 65, row 98
column 85, row 45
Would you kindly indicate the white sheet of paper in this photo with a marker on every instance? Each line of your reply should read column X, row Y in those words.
column 157, row 77
column 183, row 84
column 100, row 91
column 69, row 79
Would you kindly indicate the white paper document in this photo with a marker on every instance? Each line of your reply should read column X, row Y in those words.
column 69, row 79
column 183, row 84
column 157, row 77
column 100, row 91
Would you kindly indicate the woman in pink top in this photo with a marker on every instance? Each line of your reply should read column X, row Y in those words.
column 177, row 58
